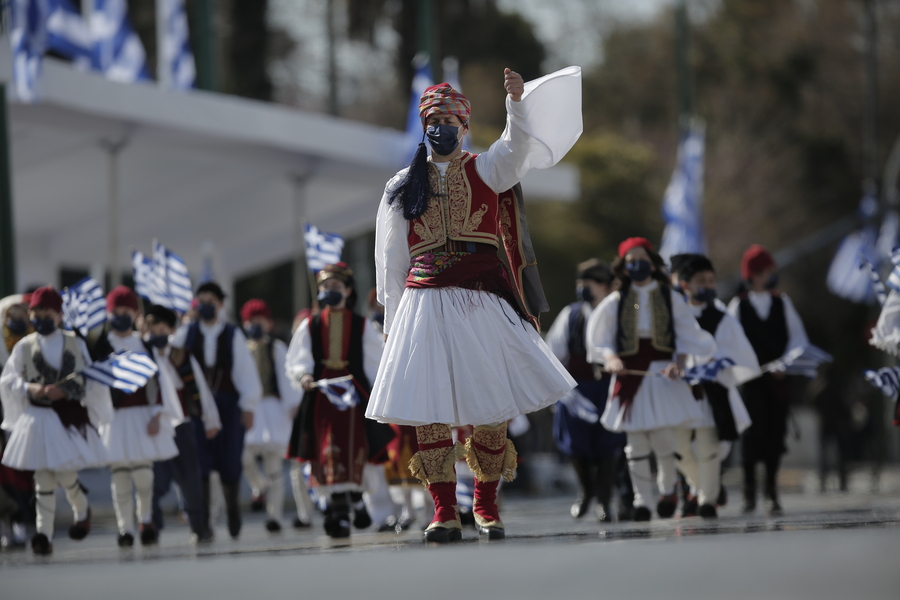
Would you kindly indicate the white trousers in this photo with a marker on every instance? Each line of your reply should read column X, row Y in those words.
column 699, row 461
column 268, row 481
column 128, row 480
column 45, row 482
column 660, row 442
column 377, row 493
column 301, row 493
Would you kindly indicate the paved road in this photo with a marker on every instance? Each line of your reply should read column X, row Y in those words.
column 826, row 546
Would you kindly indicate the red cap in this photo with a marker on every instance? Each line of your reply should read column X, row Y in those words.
column 634, row 242
column 46, row 297
column 121, row 296
column 255, row 308
column 756, row 259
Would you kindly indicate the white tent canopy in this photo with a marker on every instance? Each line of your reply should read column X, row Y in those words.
column 195, row 169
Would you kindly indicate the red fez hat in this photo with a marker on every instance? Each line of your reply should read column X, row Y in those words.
column 121, row 296
column 634, row 242
column 756, row 259
column 46, row 297
column 255, row 308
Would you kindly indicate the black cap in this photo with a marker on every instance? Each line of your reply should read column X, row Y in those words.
column 161, row 314
column 595, row 270
column 213, row 288
column 695, row 263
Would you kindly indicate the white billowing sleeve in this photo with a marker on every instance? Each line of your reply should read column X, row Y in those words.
column 208, row 408
column 290, row 397
column 886, row 334
column 13, row 392
column 690, row 338
column 391, row 254
column 732, row 343
column 244, row 374
column 97, row 399
column 796, row 332
column 558, row 335
column 168, row 393
column 299, row 360
column 734, row 308
column 601, row 330
column 540, row 129
column 373, row 347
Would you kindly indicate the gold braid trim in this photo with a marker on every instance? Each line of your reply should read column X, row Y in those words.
column 501, row 465
column 437, row 465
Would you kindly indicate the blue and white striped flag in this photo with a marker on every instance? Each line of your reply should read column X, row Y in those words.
column 118, row 52
column 84, row 306
column 321, row 248
column 173, row 280
column 341, row 394
column 708, row 371
column 893, row 280
column 28, row 38
column 877, row 284
column 68, row 34
column 683, row 198
column 579, row 406
column 802, row 361
column 128, row 371
column 845, row 279
column 142, row 267
column 887, row 380
column 177, row 56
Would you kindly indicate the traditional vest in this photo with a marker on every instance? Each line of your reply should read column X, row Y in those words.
column 217, row 376
column 577, row 365
column 189, row 394
column 37, row 370
column 662, row 337
column 464, row 209
column 263, row 353
column 769, row 338
column 716, row 393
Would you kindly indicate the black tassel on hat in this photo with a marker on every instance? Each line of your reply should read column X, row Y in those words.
column 414, row 192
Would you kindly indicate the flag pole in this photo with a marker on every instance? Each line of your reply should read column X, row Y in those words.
column 163, row 60
column 7, row 229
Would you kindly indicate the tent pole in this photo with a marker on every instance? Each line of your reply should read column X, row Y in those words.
column 7, row 230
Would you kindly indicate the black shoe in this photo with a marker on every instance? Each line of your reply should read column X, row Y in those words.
column 301, row 524
column 149, row 534
column 81, row 529
column 234, row 526
column 604, row 514
column 273, row 526
column 205, row 537
column 390, row 525
column 708, row 511
column 492, row 533
column 580, row 507
column 126, row 540
column 722, row 498
column 774, row 508
column 466, row 517
column 339, row 528
column 40, row 545
column 641, row 513
column 442, row 535
column 361, row 518
column 258, row 503
column 749, row 506
column 666, row 506
column 689, row 507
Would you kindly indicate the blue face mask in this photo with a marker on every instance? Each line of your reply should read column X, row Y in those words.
column 772, row 283
column 706, row 295
column 254, row 331
column 443, row 138
column 330, row 297
column 206, row 311
column 44, row 326
column 121, row 323
column 158, row 341
column 584, row 294
column 638, row 270
column 17, row 326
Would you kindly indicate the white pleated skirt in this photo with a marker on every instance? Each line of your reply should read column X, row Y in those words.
column 658, row 403
column 462, row 357
column 127, row 441
column 741, row 416
column 39, row 440
column 271, row 429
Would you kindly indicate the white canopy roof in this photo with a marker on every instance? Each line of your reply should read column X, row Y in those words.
column 195, row 168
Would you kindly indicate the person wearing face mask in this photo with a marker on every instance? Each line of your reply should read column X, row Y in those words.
column 228, row 367
column 773, row 327
column 140, row 432
column 594, row 451
column 439, row 228
column 646, row 326
column 724, row 414
column 271, row 431
column 334, row 438
column 15, row 323
column 194, row 424
column 51, row 417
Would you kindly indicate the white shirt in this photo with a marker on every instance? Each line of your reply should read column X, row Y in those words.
column 300, row 361
column 558, row 334
column 731, row 342
column 762, row 304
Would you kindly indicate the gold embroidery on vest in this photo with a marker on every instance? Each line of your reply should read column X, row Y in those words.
column 260, row 351
column 628, row 323
column 662, row 320
column 336, row 341
column 459, row 201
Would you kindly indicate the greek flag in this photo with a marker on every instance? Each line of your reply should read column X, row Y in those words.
column 128, row 371
column 84, row 306
column 118, row 52
column 176, row 52
column 845, row 279
column 684, row 195
column 893, row 280
column 887, row 380
column 877, row 284
column 142, row 266
column 342, row 394
column 29, row 42
column 173, row 279
column 579, row 406
column 68, row 34
column 802, row 361
column 321, row 248
column 708, row 371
